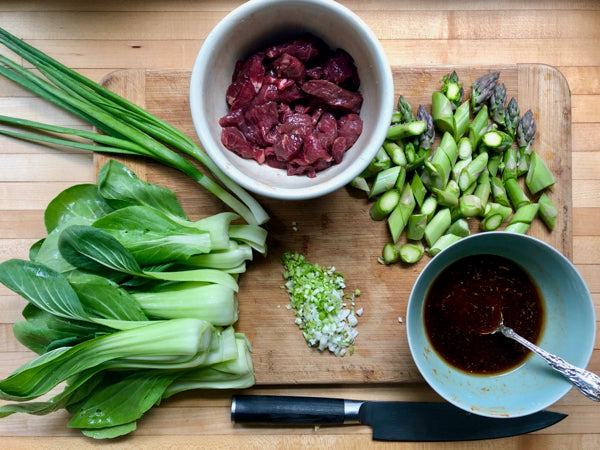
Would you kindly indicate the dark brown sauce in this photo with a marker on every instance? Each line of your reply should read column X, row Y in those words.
column 466, row 299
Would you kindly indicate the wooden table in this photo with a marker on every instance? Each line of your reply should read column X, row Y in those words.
column 97, row 38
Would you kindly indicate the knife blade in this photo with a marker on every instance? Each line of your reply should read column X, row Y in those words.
column 390, row 421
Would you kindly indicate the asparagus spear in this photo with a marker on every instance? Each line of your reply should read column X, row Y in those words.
column 497, row 104
column 511, row 117
column 427, row 137
column 405, row 110
column 525, row 133
column 481, row 90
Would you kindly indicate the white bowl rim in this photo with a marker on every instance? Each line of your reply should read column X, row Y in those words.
column 320, row 188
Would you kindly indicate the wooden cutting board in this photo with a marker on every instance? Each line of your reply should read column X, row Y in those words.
column 337, row 231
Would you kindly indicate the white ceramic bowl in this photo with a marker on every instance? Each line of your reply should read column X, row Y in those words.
column 259, row 23
column 568, row 331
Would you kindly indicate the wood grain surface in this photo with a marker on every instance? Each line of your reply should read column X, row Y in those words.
column 152, row 36
column 336, row 230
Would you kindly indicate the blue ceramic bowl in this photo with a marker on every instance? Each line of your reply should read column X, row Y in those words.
column 569, row 330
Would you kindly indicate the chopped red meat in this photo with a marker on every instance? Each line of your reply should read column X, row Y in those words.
column 332, row 95
column 294, row 106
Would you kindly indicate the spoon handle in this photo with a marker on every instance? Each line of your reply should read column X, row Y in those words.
column 587, row 382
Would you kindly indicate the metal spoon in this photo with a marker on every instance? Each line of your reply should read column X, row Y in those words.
column 587, row 382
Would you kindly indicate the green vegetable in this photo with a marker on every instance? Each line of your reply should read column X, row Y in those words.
column 130, row 129
column 437, row 226
column 548, row 211
column 412, row 252
column 122, row 315
column 476, row 172
column 482, row 89
column 452, row 89
column 317, row 298
column 385, row 204
column 539, row 176
column 403, row 130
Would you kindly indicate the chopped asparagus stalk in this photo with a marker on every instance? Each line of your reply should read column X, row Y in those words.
column 483, row 188
column 398, row 219
column 404, row 130
column 518, row 227
column 525, row 213
column 461, row 120
column 465, row 148
column 511, row 117
column 360, row 183
column 442, row 112
column 496, row 140
column 380, row 162
column 427, row 137
column 416, row 226
column 452, row 89
column 385, row 204
column 396, row 117
column 437, row 226
column 477, row 126
column 470, row 205
column 429, row 207
column 443, row 242
column 515, row 193
column 390, row 253
column 491, row 222
column 412, row 252
column 470, row 173
column 539, row 176
column 401, row 179
column 497, row 104
column 459, row 227
column 446, row 197
column 548, row 211
column 443, row 159
column 481, row 90
column 418, row 188
column 410, row 152
column 459, row 166
column 395, row 152
column 496, row 208
column 499, row 191
column 384, row 181
column 510, row 164
column 495, row 164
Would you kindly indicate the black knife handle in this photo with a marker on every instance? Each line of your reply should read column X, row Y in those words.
column 286, row 409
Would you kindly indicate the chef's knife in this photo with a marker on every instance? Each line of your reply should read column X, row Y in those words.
column 391, row 421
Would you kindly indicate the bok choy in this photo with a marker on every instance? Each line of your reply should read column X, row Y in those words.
column 129, row 302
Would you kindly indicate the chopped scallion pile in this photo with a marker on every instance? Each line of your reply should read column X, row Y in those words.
column 318, row 300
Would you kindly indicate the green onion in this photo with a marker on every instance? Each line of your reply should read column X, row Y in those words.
column 147, row 135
